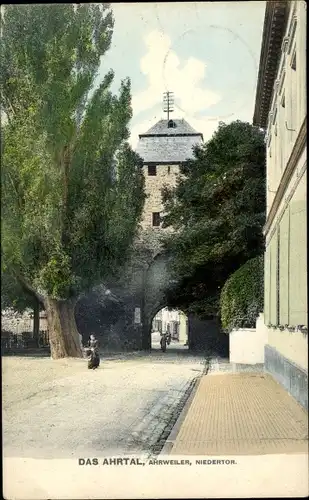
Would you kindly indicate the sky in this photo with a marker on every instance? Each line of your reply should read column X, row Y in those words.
column 207, row 53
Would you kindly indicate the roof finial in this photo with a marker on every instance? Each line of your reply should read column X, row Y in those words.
column 168, row 103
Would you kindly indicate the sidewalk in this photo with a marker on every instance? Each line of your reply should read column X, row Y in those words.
column 239, row 414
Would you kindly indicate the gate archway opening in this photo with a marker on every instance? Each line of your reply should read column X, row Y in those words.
column 175, row 324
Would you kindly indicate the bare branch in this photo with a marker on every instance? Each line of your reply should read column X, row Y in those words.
column 28, row 287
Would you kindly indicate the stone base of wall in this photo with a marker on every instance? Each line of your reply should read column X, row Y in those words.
column 227, row 367
column 293, row 378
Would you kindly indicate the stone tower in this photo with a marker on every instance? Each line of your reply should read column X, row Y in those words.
column 164, row 147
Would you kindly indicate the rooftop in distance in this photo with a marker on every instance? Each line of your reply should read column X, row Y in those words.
column 171, row 127
column 168, row 141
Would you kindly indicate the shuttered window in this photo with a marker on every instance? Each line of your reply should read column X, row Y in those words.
column 298, row 257
column 267, row 286
column 284, row 269
column 273, row 312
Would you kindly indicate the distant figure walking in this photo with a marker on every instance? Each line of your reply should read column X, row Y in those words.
column 168, row 334
column 163, row 341
column 93, row 353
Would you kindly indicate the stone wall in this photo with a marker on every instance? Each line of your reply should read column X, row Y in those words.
column 291, row 376
column 206, row 335
column 166, row 176
column 111, row 319
column 157, row 279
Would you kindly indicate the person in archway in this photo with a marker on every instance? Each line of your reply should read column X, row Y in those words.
column 168, row 334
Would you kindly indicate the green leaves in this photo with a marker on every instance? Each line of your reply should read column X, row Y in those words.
column 242, row 297
column 218, row 209
column 56, row 278
column 72, row 187
column 57, row 56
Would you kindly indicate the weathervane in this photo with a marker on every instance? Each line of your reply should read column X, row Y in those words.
column 168, row 103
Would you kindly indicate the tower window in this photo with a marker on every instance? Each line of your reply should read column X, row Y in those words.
column 171, row 124
column 152, row 170
column 156, row 219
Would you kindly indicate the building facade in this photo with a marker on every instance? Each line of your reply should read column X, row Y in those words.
column 281, row 109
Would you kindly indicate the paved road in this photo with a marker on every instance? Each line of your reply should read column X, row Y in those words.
column 61, row 409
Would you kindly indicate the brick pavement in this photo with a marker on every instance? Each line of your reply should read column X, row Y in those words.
column 241, row 414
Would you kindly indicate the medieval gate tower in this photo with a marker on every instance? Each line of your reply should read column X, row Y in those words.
column 122, row 319
column 164, row 147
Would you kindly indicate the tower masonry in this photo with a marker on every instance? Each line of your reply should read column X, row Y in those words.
column 163, row 148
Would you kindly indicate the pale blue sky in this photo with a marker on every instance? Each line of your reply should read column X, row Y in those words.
column 211, row 52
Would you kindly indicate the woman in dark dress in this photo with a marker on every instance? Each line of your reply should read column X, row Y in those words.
column 94, row 356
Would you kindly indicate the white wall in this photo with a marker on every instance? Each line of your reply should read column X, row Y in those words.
column 183, row 328
column 247, row 344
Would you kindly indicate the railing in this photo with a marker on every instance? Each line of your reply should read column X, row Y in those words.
column 21, row 341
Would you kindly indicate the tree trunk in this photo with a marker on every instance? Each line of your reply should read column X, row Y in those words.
column 36, row 321
column 64, row 338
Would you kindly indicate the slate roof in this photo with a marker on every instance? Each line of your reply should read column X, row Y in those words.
column 161, row 144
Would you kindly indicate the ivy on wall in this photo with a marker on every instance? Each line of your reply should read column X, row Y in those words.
column 242, row 297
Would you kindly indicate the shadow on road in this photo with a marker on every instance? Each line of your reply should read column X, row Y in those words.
column 27, row 353
column 173, row 354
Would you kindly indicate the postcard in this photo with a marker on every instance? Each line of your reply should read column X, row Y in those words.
column 154, row 314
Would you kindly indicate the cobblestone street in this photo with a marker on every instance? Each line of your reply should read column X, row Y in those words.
column 52, row 409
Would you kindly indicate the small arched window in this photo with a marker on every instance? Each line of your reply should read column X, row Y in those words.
column 171, row 124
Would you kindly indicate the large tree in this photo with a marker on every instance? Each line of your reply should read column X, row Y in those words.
column 217, row 211
column 72, row 188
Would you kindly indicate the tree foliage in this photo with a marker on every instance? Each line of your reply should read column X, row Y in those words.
column 72, row 191
column 242, row 297
column 217, row 210
column 13, row 295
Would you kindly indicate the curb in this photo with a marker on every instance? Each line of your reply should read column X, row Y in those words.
column 169, row 443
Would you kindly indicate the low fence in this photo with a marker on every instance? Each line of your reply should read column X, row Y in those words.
column 11, row 341
column 17, row 331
